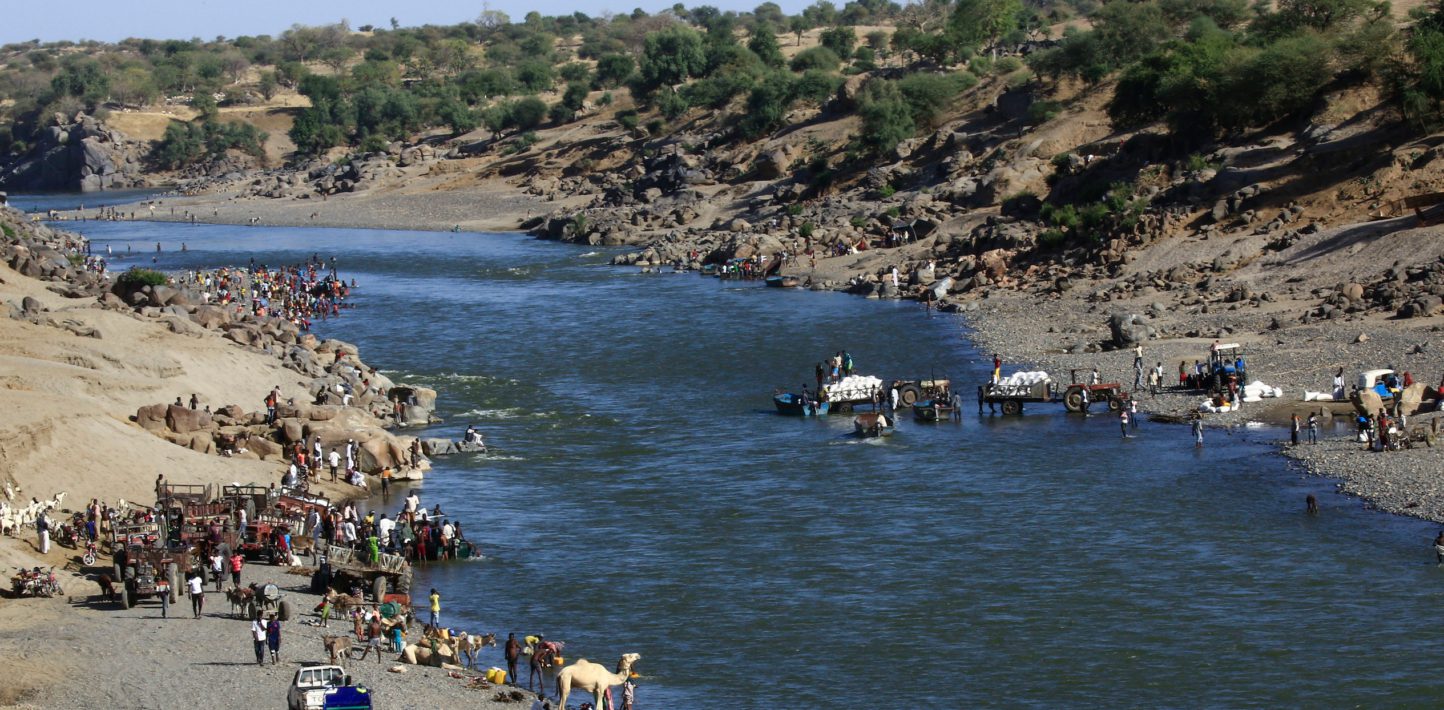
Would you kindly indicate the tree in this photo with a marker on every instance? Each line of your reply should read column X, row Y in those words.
column 614, row 69
column 670, row 56
column 492, row 19
column 816, row 58
column 133, row 85
column 928, row 95
column 534, row 75
column 798, row 25
column 527, row 113
column 268, row 85
column 981, row 23
column 769, row 12
column 821, row 13
column 841, row 40
column 764, row 44
column 886, row 118
column 767, row 105
column 456, row 116
column 575, row 96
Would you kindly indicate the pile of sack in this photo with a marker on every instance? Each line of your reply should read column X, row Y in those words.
column 1255, row 391
column 1025, row 378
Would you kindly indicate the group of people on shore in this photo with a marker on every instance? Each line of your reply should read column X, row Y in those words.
column 299, row 293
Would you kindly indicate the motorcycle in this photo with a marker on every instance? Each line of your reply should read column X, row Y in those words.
column 90, row 553
column 34, row 583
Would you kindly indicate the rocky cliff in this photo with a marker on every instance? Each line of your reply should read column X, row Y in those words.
column 78, row 154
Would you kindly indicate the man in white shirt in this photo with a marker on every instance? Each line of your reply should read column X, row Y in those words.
column 195, row 586
column 258, row 635
column 334, row 459
column 384, row 528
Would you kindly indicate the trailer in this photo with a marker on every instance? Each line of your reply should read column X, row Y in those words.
column 1012, row 397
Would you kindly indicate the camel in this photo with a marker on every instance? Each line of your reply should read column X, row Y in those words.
column 468, row 645
column 434, row 653
column 338, row 648
column 593, row 678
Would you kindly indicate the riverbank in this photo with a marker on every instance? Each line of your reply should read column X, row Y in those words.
column 87, row 378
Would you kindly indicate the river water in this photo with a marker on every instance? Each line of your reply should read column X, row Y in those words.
column 642, row 496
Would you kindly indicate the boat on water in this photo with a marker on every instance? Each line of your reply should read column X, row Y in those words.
column 709, row 270
column 783, row 281
column 871, row 425
column 932, row 410
column 796, row 405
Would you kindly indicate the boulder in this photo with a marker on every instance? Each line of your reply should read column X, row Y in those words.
column 152, row 417
column 184, row 420
column 292, row 430
column 438, row 447
column 203, row 442
column 1129, row 329
column 265, row 448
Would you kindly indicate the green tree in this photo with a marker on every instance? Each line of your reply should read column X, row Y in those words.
column 670, row 56
column 886, row 117
column 928, row 95
column 981, row 23
column 268, row 85
column 527, row 113
column 456, row 116
column 763, row 43
column 816, row 58
column 841, row 40
column 767, row 105
column 614, row 69
column 535, row 75
column 769, row 12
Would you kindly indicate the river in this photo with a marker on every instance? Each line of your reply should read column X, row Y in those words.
column 642, row 496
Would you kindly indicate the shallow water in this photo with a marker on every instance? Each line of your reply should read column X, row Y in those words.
column 642, row 496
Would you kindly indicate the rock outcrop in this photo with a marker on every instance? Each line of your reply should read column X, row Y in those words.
column 78, row 154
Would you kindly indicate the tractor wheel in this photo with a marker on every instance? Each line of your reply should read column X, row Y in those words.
column 842, row 408
column 1115, row 403
column 1073, row 400
column 378, row 588
column 116, row 578
column 907, row 395
column 127, row 597
column 1012, row 408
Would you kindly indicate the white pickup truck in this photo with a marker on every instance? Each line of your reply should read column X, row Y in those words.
column 308, row 689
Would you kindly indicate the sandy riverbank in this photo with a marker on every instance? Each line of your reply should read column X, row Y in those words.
column 75, row 370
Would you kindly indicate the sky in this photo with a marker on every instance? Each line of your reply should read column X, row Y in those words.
column 112, row 20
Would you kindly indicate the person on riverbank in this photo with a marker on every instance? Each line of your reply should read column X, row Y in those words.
column 435, row 599
column 258, row 639
column 956, row 401
column 1123, row 421
column 196, row 587
column 512, row 651
column 237, row 562
column 273, row 638
column 1313, row 428
column 1294, row 428
column 1133, row 414
column 1339, row 385
column 42, row 531
column 821, row 375
column 218, row 568
column 997, row 369
column 1197, row 431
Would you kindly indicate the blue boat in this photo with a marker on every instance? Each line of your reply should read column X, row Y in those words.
column 796, row 405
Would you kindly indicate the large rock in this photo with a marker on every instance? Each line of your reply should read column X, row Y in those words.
column 152, row 417
column 438, row 447
column 1129, row 329
column 184, row 420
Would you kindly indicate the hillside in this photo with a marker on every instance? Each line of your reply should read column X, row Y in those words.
column 1010, row 145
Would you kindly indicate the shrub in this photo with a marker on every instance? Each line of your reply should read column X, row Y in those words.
column 136, row 276
column 886, row 117
column 527, row 113
column 928, row 95
column 806, row 230
column 614, row 69
column 575, row 71
column 672, row 104
column 767, row 104
column 1043, row 111
column 627, row 119
column 816, row 58
column 841, row 40
column 816, row 86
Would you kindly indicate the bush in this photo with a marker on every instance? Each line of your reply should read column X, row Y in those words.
column 575, row 71
column 137, row 277
column 1043, row 111
column 806, row 230
column 527, row 113
column 628, row 120
column 816, row 58
column 672, row 104
column 841, row 40
column 886, row 117
column 614, row 69
column 535, row 75
column 928, row 95
column 816, row 86
column 766, row 105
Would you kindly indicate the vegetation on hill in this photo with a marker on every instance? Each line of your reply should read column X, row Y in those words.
column 1199, row 69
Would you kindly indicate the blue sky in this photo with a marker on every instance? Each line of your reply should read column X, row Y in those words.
column 111, row 20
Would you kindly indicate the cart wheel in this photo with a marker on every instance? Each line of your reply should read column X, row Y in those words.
column 1073, row 400
column 378, row 588
column 1012, row 408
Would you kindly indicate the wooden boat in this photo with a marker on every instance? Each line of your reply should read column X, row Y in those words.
column 932, row 410
column 872, row 424
column 796, row 405
column 709, row 269
column 783, row 281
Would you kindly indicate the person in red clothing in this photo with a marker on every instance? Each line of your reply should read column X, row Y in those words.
column 236, row 563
